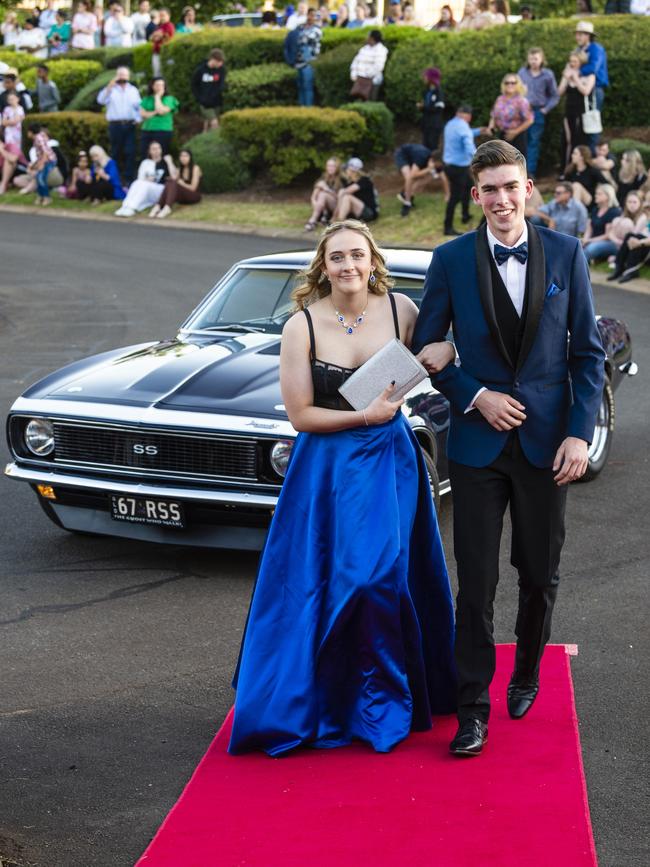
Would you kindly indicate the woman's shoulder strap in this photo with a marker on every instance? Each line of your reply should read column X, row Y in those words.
column 312, row 338
column 393, row 305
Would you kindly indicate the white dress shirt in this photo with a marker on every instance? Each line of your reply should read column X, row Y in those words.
column 122, row 102
column 513, row 274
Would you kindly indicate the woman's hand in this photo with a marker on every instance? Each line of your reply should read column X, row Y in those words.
column 634, row 243
column 382, row 409
column 436, row 356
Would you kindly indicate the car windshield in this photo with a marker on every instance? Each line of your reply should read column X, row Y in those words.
column 259, row 299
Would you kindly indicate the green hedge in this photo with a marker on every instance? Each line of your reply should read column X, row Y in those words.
column 250, row 46
column 69, row 75
column 86, row 98
column 223, row 170
column 473, row 64
column 258, row 86
column 74, row 130
column 380, row 127
column 288, row 142
column 18, row 59
column 332, row 74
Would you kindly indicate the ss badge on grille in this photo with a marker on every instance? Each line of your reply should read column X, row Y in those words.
column 140, row 449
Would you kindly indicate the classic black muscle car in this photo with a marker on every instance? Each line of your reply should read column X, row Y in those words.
column 187, row 441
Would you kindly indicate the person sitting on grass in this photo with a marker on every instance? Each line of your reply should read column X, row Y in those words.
column 184, row 188
column 324, row 194
column 148, row 187
column 632, row 173
column 359, row 198
column 80, row 174
column 105, row 183
column 595, row 241
column 44, row 163
column 634, row 252
column 583, row 177
column 617, row 230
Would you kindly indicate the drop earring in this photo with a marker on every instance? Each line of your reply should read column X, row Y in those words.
column 372, row 279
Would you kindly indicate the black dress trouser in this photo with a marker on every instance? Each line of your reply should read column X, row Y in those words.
column 537, row 506
column 460, row 185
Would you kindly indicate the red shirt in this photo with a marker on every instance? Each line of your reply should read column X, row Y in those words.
column 162, row 34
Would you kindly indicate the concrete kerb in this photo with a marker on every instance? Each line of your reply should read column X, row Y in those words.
column 641, row 286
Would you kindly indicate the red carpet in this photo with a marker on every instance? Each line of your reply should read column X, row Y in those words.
column 522, row 803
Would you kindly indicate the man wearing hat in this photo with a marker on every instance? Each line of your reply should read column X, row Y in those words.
column 595, row 65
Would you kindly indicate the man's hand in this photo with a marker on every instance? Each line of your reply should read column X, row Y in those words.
column 436, row 356
column 502, row 411
column 571, row 460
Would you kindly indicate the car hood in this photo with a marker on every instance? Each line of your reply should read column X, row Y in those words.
column 235, row 374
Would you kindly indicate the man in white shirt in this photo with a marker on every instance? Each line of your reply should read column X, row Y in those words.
column 32, row 39
column 118, row 28
column 47, row 18
column 122, row 101
column 524, row 402
column 297, row 17
column 140, row 19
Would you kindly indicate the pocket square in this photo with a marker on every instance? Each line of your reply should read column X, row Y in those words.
column 553, row 290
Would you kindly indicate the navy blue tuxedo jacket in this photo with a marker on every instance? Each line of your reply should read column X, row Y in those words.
column 560, row 383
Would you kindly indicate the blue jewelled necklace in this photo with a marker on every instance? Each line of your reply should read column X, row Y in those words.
column 350, row 326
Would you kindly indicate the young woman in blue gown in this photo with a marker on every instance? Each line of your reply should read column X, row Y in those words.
column 350, row 630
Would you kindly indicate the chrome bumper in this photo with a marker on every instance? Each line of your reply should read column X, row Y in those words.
column 108, row 485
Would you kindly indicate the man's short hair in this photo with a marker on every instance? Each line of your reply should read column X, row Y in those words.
column 43, row 66
column 494, row 153
column 216, row 54
column 465, row 108
column 376, row 35
column 566, row 186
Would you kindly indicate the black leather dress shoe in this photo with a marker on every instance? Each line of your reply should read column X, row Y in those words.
column 614, row 276
column 629, row 275
column 470, row 738
column 522, row 692
column 452, row 233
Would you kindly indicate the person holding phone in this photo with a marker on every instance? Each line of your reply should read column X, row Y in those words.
column 122, row 102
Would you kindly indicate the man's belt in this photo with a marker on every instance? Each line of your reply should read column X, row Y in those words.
column 122, row 122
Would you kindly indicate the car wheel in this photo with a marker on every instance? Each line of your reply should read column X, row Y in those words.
column 603, row 433
column 434, row 479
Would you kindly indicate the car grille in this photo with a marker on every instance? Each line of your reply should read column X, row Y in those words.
column 162, row 452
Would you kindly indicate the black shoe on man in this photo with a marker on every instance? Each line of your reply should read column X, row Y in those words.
column 629, row 275
column 451, row 232
column 522, row 692
column 466, row 219
column 470, row 738
column 614, row 275
column 406, row 210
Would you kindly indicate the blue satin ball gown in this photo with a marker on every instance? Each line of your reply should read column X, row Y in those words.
column 350, row 630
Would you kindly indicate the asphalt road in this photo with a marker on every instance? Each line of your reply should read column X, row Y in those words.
column 116, row 657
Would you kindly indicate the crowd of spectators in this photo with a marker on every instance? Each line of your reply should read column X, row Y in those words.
column 604, row 203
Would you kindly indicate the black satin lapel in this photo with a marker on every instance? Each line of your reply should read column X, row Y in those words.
column 484, row 276
column 536, row 274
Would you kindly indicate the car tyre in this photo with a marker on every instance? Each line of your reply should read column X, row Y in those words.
column 434, row 479
column 603, row 434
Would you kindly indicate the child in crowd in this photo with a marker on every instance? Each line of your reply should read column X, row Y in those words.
column 44, row 163
column 12, row 124
column 81, row 174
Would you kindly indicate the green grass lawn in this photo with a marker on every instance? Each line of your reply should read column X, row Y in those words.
column 273, row 214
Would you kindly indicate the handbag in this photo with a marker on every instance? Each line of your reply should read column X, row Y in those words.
column 393, row 362
column 362, row 87
column 591, row 120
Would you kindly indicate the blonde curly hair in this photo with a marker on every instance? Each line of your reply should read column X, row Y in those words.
column 314, row 283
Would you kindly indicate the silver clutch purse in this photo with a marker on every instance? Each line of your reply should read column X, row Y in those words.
column 392, row 362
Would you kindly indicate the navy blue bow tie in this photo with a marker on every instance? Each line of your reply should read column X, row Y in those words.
column 501, row 253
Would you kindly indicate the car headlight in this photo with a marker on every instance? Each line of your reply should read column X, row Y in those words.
column 39, row 437
column 280, row 456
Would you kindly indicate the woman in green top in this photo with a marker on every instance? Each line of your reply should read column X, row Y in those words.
column 58, row 37
column 157, row 109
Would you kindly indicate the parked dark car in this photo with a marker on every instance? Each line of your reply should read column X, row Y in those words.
column 187, row 441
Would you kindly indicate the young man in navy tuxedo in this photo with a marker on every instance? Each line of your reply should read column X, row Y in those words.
column 523, row 407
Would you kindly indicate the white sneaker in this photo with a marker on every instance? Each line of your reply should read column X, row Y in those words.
column 124, row 212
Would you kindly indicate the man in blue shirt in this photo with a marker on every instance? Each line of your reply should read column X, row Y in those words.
column 457, row 155
column 595, row 65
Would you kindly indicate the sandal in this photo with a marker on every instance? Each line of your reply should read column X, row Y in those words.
column 310, row 226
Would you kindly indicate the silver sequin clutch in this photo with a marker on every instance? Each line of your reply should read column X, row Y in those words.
column 392, row 362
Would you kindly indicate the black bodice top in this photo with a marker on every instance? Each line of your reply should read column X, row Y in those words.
column 328, row 378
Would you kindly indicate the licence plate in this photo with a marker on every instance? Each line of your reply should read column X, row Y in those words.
column 142, row 510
